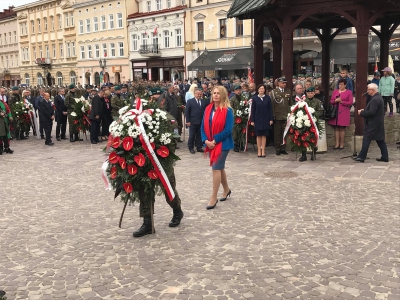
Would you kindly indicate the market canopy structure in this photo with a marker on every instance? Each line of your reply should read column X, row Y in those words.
column 326, row 18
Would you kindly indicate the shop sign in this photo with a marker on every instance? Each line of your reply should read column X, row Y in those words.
column 173, row 62
column 227, row 57
column 116, row 69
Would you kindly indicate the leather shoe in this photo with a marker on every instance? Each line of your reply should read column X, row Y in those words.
column 50, row 144
column 59, row 139
column 192, row 151
column 278, row 152
column 284, row 152
column 358, row 159
column 200, row 150
column 93, row 142
column 381, row 159
column 236, row 149
column 64, row 138
column 42, row 137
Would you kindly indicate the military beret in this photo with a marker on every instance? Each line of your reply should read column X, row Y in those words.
column 71, row 86
column 155, row 91
column 271, row 77
column 310, row 89
column 15, row 88
column 237, row 87
column 282, row 79
column 213, row 78
column 89, row 87
column 294, row 77
column 117, row 88
column 124, row 86
column 110, row 84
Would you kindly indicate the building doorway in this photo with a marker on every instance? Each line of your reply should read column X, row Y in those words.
column 97, row 78
column 117, row 78
column 87, row 78
column 106, row 77
column 154, row 74
column 166, row 75
column 49, row 79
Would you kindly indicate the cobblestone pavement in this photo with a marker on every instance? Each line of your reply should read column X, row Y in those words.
column 327, row 229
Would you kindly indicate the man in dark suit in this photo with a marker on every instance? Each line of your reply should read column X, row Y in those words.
column 194, row 115
column 95, row 117
column 61, row 112
column 36, row 106
column 373, row 115
column 46, row 115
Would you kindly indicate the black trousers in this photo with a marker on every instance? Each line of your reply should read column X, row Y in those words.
column 194, row 136
column 94, row 130
column 388, row 100
column 365, row 146
column 279, row 130
column 4, row 141
column 61, row 126
column 47, row 127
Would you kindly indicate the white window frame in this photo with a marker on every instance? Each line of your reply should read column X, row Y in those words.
column 97, row 51
column 82, row 52
column 61, row 48
column 112, row 50
column 47, row 51
column 52, row 22
column 95, row 24
column 148, row 6
column 111, row 24
column 59, row 21
column 15, row 37
column 166, row 39
column 59, row 78
column 68, row 44
column 104, row 49
column 66, row 18
column 89, row 51
column 72, row 19
column 178, row 37
column 80, row 26
column 73, row 49
column 121, row 52
column 168, row 3
column 135, row 41
column 33, row 26
column 158, row 5
column 39, row 26
column 40, row 52
column 34, row 52
column 53, row 48
column 103, row 22
column 45, row 24
column 88, row 28
column 120, row 22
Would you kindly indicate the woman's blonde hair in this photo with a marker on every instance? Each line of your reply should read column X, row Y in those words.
column 192, row 88
column 107, row 94
column 223, row 94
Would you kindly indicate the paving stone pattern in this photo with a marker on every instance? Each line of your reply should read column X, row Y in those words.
column 327, row 229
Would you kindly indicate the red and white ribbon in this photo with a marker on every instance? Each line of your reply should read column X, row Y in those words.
column 247, row 125
column 107, row 183
column 291, row 116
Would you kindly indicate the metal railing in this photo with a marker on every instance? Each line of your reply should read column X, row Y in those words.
column 151, row 48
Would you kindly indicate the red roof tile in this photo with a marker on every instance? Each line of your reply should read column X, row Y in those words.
column 157, row 12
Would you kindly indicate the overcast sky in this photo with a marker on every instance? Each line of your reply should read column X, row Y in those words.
column 5, row 3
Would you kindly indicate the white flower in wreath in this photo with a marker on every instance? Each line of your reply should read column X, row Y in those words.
column 123, row 110
column 77, row 100
column 299, row 125
column 151, row 140
column 302, row 104
column 74, row 114
column 299, row 114
column 293, row 107
column 307, row 123
column 311, row 110
column 292, row 121
column 305, row 118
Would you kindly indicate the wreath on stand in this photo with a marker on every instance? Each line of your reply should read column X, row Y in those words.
column 81, row 121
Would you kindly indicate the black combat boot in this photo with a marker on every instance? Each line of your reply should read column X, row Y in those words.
column 71, row 138
column 176, row 218
column 1, row 149
column 314, row 154
column 236, row 148
column 303, row 156
column 9, row 151
column 77, row 137
column 145, row 228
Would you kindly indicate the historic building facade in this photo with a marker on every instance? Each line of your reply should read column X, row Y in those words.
column 102, row 42
column 9, row 50
column 156, row 34
column 47, row 43
column 207, row 27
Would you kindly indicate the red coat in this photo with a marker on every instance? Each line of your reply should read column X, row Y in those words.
column 343, row 118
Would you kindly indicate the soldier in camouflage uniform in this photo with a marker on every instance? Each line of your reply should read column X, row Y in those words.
column 117, row 102
column 235, row 104
column 125, row 95
column 70, row 104
column 14, row 98
column 175, row 204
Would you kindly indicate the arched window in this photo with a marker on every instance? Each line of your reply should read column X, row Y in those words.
column 27, row 79
column 72, row 77
column 39, row 79
column 59, row 78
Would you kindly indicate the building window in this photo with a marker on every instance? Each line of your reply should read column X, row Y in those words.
column 52, row 22
column 178, row 35
column 168, row 3
column 61, row 50
column 72, row 19
column 66, row 18
column 97, row 51
column 15, row 37
column 89, row 51
column 134, row 42
column 33, row 26
column 158, row 4
column 22, row 29
column 82, row 52
column 68, row 50
column 53, row 48
column 166, row 39
column 112, row 50
column 39, row 78
column 45, row 24
column 72, row 77
column 104, row 46
column 119, row 20
column 59, row 78
column 80, row 26
column 27, row 79
column 16, row 59
column 38, row 25
column 6, row 62
column 47, row 51
column 103, row 23
column 59, row 22
column 40, row 52
column 155, row 38
column 96, row 24
column 120, row 49
column 148, row 6
column 239, row 27
column 222, row 28
column 1, row 40
column 34, row 52
column 73, row 49
column 200, row 31
column 87, row 25
column 111, row 21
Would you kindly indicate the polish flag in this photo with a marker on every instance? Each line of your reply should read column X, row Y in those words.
column 376, row 66
column 249, row 75
column 105, row 53
column 155, row 31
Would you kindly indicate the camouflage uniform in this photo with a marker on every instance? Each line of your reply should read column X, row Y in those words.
column 14, row 98
column 117, row 102
column 70, row 104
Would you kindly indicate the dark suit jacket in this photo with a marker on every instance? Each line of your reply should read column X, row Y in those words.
column 46, row 111
column 97, row 108
column 60, row 105
column 374, row 115
column 37, row 102
column 262, row 112
column 194, row 113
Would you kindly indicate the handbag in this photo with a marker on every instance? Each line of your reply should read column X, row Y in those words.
column 331, row 112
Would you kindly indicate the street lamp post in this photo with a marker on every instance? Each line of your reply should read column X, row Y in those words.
column 103, row 65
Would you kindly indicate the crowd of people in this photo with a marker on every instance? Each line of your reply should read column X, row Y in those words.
column 186, row 101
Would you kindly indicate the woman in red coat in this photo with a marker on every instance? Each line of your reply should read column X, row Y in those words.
column 343, row 99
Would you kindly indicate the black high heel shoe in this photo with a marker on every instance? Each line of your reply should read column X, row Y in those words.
column 212, row 206
column 227, row 195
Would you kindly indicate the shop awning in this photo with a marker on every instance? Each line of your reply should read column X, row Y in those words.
column 240, row 7
column 224, row 60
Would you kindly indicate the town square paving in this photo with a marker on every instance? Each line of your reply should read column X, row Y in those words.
column 327, row 229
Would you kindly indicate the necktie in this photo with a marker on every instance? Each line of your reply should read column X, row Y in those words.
column 198, row 102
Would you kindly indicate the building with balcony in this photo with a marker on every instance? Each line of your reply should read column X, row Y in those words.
column 228, row 41
column 9, row 50
column 46, row 30
column 156, row 46
column 102, row 40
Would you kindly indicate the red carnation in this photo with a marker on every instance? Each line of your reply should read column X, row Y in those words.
column 312, row 140
column 76, row 122
column 139, row 159
column 84, row 122
column 244, row 130
column 299, row 144
column 113, row 172
column 313, row 129
column 122, row 162
column 305, row 144
column 252, row 134
column 296, row 132
column 163, row 151
column 127, row 143
column 127, row 187
column 303, row 137
column 238, row 120
column 291, row 130
column 79, row 128
column 152, row 174
column 132, row 169
column 153, row 145
column 113, row 158
column 116, row 142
